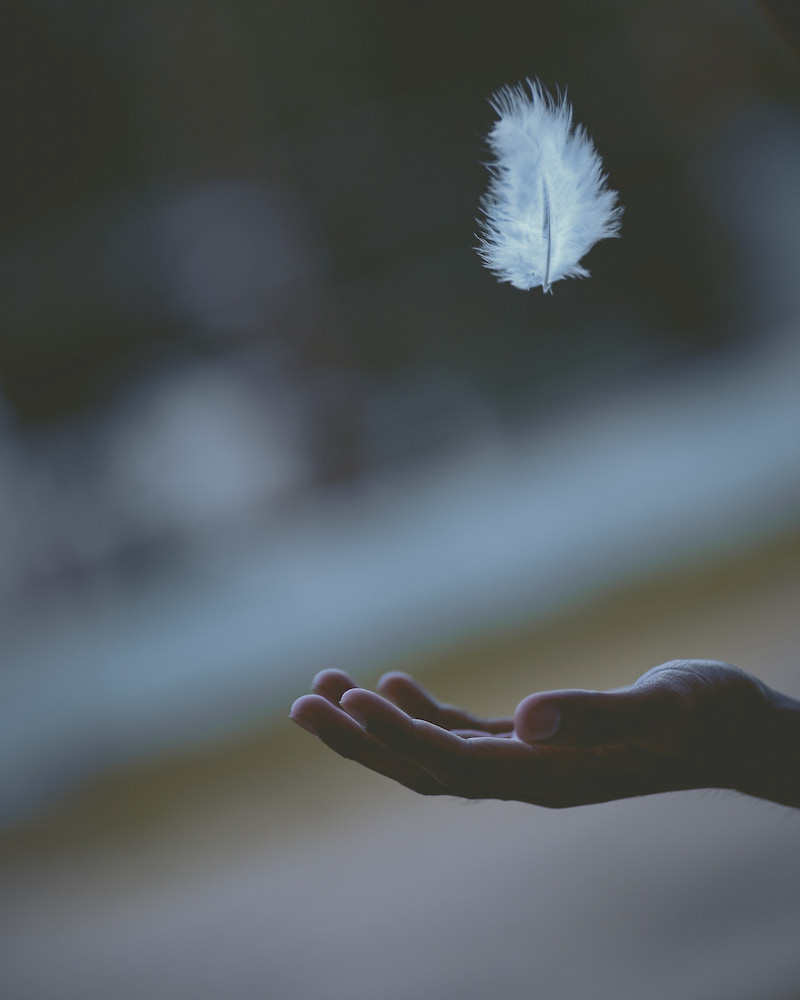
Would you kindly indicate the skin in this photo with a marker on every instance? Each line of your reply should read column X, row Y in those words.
column 685, row 724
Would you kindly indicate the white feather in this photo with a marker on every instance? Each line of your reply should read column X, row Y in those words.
column 547, row 203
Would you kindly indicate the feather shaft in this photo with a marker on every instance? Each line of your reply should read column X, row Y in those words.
column 548, row 237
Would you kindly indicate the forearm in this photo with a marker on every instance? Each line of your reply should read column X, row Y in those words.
column 773, row 763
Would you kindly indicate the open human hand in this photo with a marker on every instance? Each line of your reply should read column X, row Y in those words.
column 684, row 724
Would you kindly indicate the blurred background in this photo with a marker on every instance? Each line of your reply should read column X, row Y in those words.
column 263, row 412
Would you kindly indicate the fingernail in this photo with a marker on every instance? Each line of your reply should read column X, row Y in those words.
column 541, row 723
column 354, row 714
column 304, row 724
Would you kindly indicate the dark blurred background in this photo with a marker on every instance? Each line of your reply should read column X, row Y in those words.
column 262, row 411
column 280, row 198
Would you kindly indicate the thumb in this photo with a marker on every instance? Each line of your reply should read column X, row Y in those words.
column 597, row 718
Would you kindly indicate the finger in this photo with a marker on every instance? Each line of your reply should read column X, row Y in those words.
column 647, row 716
column 415, row 701
column 409, row 696
column 436, row 750
column 332, row 684
column 346, row 737
column 475, row 734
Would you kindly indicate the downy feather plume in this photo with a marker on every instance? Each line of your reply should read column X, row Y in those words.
column 547, row 203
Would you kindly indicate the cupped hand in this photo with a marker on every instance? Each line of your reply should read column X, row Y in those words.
column 684, row 724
